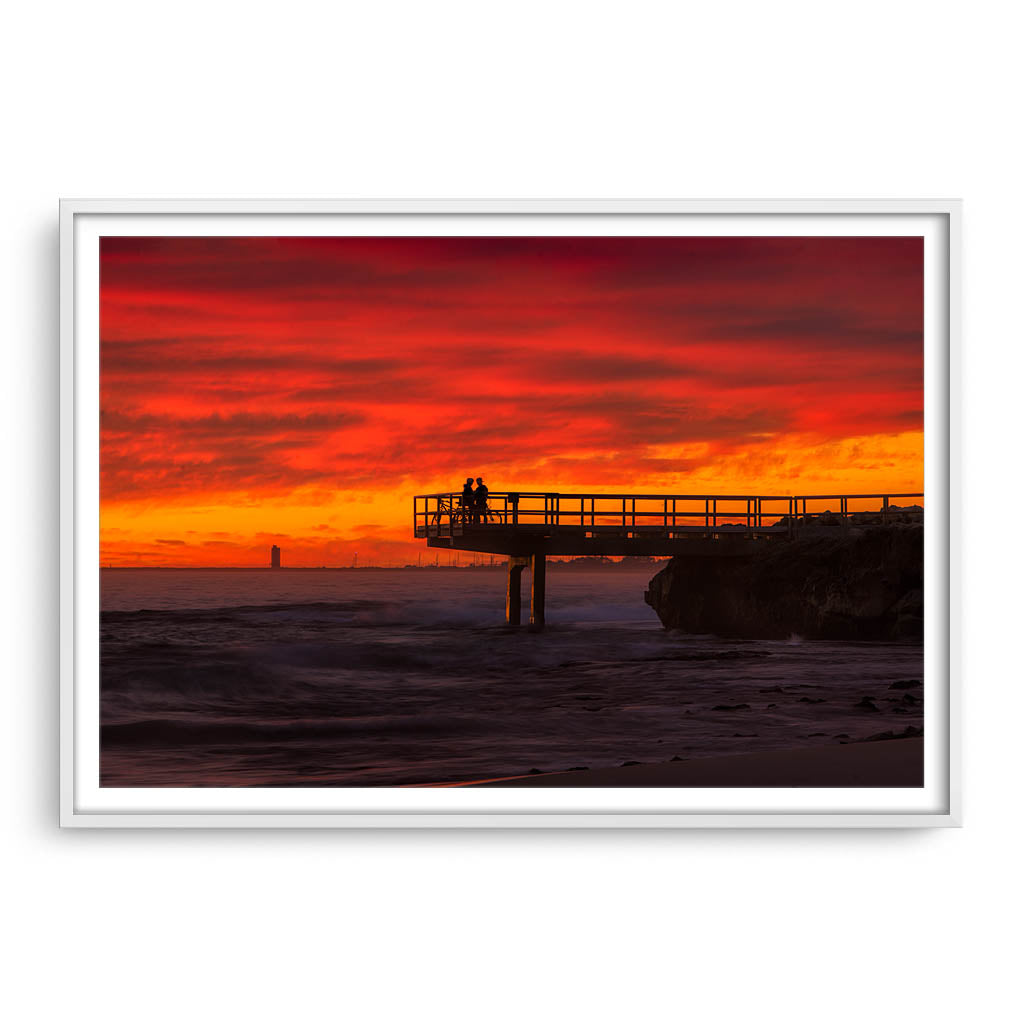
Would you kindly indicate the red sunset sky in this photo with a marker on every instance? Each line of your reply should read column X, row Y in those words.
column 299, row 391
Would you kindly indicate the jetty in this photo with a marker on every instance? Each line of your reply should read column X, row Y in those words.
column 530, row 527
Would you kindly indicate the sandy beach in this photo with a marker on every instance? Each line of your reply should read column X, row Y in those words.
column 889, row 763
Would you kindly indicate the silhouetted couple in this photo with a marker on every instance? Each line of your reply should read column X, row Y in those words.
column 474, row 502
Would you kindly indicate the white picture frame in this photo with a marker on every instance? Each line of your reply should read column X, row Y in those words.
column 83, row 803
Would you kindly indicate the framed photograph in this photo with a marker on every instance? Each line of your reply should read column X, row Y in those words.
column 509, row 514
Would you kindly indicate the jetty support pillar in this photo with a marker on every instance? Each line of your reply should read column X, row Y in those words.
column 513, row 597
column 538, row 572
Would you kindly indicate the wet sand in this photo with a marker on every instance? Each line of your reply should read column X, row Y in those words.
column 884, row 763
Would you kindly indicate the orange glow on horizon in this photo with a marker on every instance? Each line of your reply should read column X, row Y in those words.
column 299, row 391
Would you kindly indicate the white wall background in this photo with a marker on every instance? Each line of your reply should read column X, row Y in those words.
column 524, row 100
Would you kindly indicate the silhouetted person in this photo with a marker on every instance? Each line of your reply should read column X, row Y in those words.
column 468, row 499
column 480, row 500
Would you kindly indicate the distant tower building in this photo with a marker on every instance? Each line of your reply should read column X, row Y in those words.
column 275, row 557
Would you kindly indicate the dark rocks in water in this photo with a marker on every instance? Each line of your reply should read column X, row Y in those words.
column 852, row 584
column 731, row 707
column 866, row 704
column 908, row 733
column 677, row 758
column 909, row 698
column 811, row 700
column 909, row 613
column 904, row 684
column 628, row 764
column 892, row 514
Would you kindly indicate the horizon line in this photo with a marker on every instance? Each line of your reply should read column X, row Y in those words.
column 562, row 560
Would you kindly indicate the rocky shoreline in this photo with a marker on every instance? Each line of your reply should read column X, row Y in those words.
column 847, row 583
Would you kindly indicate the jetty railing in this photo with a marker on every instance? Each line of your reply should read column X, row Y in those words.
column 440, row 515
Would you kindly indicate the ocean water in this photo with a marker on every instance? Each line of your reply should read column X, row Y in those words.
column 393, row 677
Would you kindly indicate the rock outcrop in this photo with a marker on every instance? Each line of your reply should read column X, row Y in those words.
column 855, row 584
